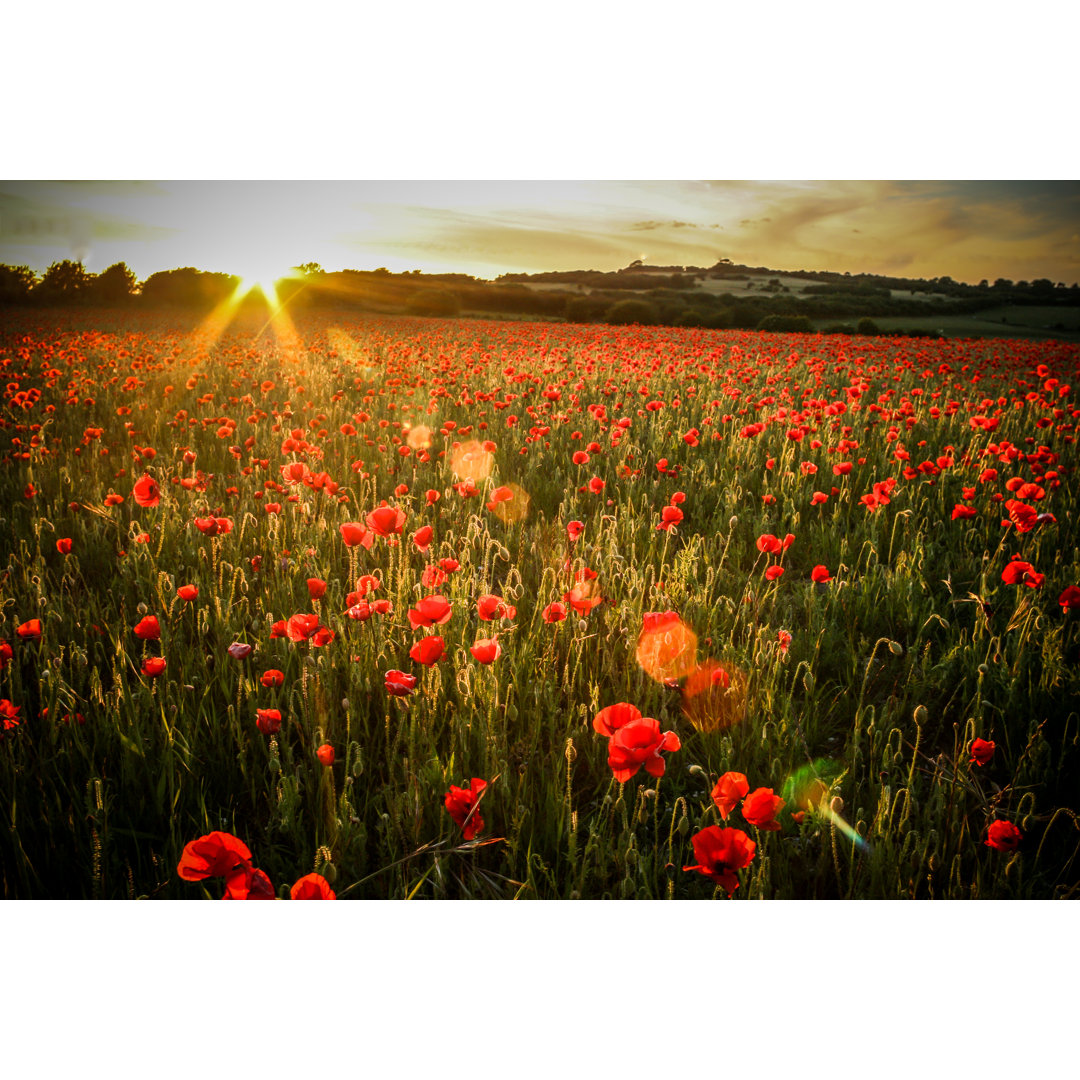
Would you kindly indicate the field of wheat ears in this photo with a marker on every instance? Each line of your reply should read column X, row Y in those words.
column 411, row 608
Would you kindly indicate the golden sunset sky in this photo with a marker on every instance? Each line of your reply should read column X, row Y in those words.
column 968, row 230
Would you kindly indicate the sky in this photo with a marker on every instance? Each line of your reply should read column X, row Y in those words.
column 968, row 230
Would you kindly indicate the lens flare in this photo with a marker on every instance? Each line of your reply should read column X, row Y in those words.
column 470, row 461
column 419, row 437
column 513, row 509
column 666, row 647
column 352, row 353
column 808, row 789
column 714, row 696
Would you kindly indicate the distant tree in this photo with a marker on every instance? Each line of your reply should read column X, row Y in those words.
column 115, row 285
column 689, row 317
column 584, row 309
column 63, row 283
column 16, row 284
column 628, row 312
column 1003, row 283
column 867, row 327
column 187, row 287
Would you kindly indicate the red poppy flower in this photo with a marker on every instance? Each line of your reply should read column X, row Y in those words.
column 360, row 611
column 316, row 588
column 6, row 653
column 490, row 607
column 312, row 887
column 248, row 883
column 596, row 485
column 428, row 650
column 461, row 804
column 638, row 743
column 212, row 526
column 400, row 683
column 147, row 629
column 323, row 636
column 268, row 721
column 9, row 716
column 187, row 592
column 432, row 496
column 500, row 495
column 353, row 533
column 962, row 512
column 720, row 852
column 486, row 650
column 386, row 520
column 30, row 630
column 112, row 499
column 325, row 754
column 760, row 808
column 554, row 612
column 422, row 537
column 1070, row 599
column 146, row 491
column 820, row 574
column 153, row 666
column 773, row 573
column 728, row 790
column 574, row 529
column 1003, row 836
column 433, row 577
column 448, row 566
column 608, row 720
column 272, row 677
column 1017, row 572
column 64, row 546
column 239, row 650
column 982, row 751
column 218, row 854
column 430, row 611
column 301, row 627
column 784, row 637
column 670, row 515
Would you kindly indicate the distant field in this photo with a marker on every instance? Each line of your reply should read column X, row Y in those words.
column 717, row 286
column 983, row 324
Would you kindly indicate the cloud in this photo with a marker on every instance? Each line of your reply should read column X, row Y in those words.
column 34, row 223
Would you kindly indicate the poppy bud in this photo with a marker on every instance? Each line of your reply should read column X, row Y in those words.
column 896, row 648
column 582, row 626
column 696, row 770
column 836, row 805
column 920, row 714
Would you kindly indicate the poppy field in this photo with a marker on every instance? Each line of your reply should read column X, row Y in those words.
column 391, row 608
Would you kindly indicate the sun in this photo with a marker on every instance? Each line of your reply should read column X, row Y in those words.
column 258, row 278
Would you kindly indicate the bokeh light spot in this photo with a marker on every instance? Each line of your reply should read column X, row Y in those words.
column 514, row 509
column 714, row 696
column 470, row 461
column 666, row 647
